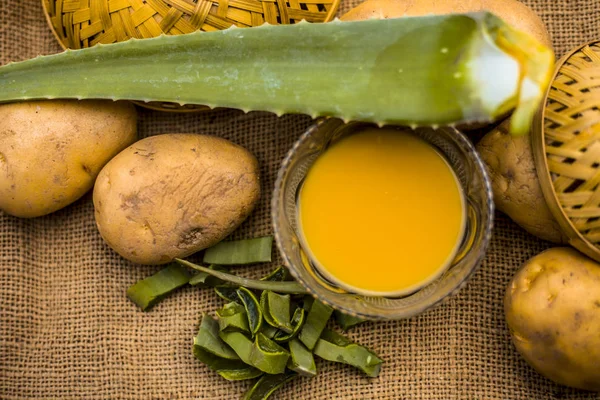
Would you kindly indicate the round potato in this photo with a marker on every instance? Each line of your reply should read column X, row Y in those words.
column 552, row 309
column 52, row 151
column 172, row 195
column 517, row 190
column 513, row 12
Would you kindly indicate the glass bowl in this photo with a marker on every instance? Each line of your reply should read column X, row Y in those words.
column 470, row 171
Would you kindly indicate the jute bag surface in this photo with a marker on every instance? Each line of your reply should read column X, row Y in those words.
column 67, row 331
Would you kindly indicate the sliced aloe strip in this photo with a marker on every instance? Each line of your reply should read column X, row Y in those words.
column 227, row 293
column 268, row 330
column 279, row 274
column 262, row 353
column 315, row 323
column 149, row 291
column 276, row 310
column 301, row 359
column 238, row 252
column 280, row 287
column 426, row 70
column 337, row 348
column 232, row 318
column 204, row 280
column 297, row 323
column 212, row 351
column 253, row 309
column 346, row 321
column 267, row 385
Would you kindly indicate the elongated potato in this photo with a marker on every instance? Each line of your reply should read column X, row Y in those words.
column 52, row 151
column 172, row 195
column 513, row 12
column 552, row 308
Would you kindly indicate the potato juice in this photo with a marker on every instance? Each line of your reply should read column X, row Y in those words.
column 381, row 212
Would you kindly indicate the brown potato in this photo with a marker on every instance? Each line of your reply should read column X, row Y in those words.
column 52, row 151
column 172, row 195
column 552, row 309
column 513, row 12
column 517, row 190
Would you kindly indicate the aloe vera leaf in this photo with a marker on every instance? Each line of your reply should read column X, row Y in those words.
column 425, row 70
column 262, row 353
column 301, row 359
column 276, row 310
column 208, row 339
column 253, row 309
column 297, row 323
column 238, row 252
column 279, row 274
column 346, row 321
column 204, row 280
column 149, row 291
column 267, row 385
column 335, row 347
column 233, row 318
column 212, row 351
column 269, row 331
column 227, row 293
column 280, row 287
column 315, row 323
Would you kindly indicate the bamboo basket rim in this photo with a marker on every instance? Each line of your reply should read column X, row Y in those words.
column 169, row 107
column 538, row 142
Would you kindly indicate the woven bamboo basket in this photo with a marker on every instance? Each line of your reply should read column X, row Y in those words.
column 566, row 147
column 84, row 23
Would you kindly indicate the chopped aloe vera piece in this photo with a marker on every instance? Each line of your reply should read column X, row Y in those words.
column 227, row 292
column 276, row 310
column 337, row 348
column 212, row 351
column 425, row 70
column 301, row 359
column 279, row 274
column 307, row 302
column 267, row 385
column 269, row 331
column 346, row 321
column 297, row 323
column 253, row 309
column 204, row 280
column 147, row 292
column 232, row 318
column 315, row 323
column 238, row 252
column 261, row 353
column 280, row 287
column 209, row 340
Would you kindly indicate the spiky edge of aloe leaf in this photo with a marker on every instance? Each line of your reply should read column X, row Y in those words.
column 413, row 71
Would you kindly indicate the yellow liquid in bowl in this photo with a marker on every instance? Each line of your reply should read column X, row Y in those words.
column 381, row 213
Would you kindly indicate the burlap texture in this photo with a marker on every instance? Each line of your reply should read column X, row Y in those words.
column 67, row 331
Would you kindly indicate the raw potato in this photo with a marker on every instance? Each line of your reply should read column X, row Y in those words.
column 172, row 195
column 513, row 12
column 52, row 151
column 517, row 190
column 552, row 308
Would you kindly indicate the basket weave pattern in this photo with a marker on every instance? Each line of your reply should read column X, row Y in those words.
column 84, row 23
column 572, row 138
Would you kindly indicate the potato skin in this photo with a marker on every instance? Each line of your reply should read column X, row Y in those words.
column 52, row 151
column 513, row 12
column 517, row 190
column 552, row 308
column 172, row 195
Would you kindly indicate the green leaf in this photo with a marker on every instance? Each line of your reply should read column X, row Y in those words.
column 204, row 280
column 279, row 274
column 315, row 323
column 301, row 359
column 267, row 385
column 276, row 310
column 297, row 323
column 232, row 318
column 148, row 292
column 337, row 348
column 253, row 309
column 346, row 321
column 240, row 252
column 261, row 353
